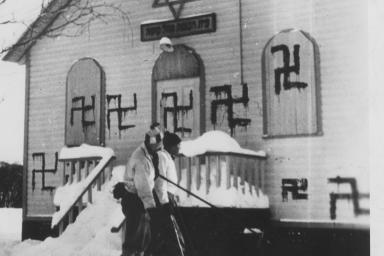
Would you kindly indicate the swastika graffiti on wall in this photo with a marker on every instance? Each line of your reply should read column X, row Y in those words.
column 43, row 170
column 83, row 109
column 286, row 70
column 355, row 196
column 229, row 101
column 175, row 110
column 294, row 186
column 120, row 111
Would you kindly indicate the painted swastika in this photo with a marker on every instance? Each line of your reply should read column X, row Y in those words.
column 294, row 186
column 120, row 111
column 286, row 70
column 355, row 196
column 42, row 170
column 83, row 109
column 229, row 102
column 175, row 110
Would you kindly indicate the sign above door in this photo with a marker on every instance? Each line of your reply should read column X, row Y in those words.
column 192, row 25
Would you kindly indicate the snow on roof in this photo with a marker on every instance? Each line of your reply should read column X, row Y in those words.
column 215, row 141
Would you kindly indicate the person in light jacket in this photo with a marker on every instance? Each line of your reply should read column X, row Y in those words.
column 139, row 181
column 171, row 236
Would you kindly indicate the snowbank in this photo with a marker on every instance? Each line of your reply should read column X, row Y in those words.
column 85, row 151
column 89, row 235
column 215, row 141
column 10, row 224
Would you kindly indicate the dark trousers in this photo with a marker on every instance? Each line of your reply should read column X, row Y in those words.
column 137, row 226
column 167, row 238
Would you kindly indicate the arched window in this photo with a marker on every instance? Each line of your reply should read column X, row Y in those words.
column 291, row 80
column 85, row 103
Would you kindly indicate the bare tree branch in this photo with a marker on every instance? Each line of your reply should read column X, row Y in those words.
column 77, row 14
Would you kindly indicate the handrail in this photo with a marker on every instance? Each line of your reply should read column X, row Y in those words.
column 93, row 177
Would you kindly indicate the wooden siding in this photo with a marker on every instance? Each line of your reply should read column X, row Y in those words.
column 338, row 27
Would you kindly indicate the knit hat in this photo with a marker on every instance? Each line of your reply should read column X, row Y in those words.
column 170, row 139
column 154, row 135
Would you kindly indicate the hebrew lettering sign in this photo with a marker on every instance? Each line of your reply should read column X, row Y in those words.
column 177, row 28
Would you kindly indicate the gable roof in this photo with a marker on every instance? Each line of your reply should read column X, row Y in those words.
column 48, row 15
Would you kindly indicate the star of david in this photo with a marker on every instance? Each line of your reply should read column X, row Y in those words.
column 175, row 6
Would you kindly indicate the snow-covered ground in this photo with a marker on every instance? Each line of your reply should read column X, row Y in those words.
column 10, row 224
column 89, row 235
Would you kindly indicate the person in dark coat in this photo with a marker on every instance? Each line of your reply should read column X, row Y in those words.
column 172, row 241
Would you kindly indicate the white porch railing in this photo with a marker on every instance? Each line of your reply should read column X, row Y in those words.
column 88, row 166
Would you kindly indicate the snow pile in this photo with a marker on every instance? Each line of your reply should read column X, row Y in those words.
column 215, row 141
column 245, row 196
column 85, row 151
column 10, row 224
column 89, row 235
column 67, row 195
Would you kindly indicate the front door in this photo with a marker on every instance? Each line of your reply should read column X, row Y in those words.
column 85, row 104
column 178, row 106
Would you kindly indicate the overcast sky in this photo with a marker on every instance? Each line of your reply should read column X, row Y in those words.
column 12, row 80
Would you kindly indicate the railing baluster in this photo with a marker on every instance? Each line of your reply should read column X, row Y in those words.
column 80, row 205
column 70, row 216
column 228, row 170
column 198, row 173
column 251, row 176
column 189, row 174
column 261, row 174
column 108, row 171
column 72, row 171
column 218, row 171
column 61, row 227
column 79, row 172
column 178, row 168
column 235, row 171
column 207, row 173
column 64, row 177
column 90, row 194
column 243, row 167
column 86, row 168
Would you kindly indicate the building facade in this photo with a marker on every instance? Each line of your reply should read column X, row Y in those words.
column 286, row 77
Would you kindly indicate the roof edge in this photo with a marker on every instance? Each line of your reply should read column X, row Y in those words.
column 47, row 16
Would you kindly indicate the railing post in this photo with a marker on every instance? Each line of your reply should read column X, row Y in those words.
column 70, row 216
column 198, row 172
column 64, row 177
column 73, row 170
column 251, row 177
column 207, row 174
column 218, row 171
column 61, row 227
column 79, row 172
column 90, row 194
column 235, row 172
column 228, row 170
column 189, row 174
column 86, row 167
column 262, row 173
column 243, row 170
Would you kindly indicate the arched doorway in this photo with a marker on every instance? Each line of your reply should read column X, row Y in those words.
column 178, row 92
column 85, row 107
